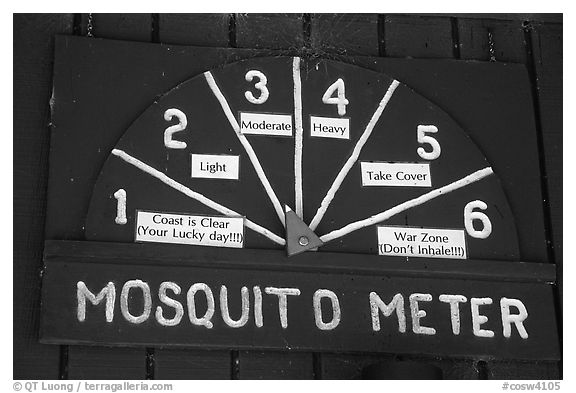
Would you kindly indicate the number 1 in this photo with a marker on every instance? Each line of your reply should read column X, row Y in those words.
column 120, row 196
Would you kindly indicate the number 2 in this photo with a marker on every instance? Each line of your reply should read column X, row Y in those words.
column 340, row 100
column 423, row 138
column 170, row 131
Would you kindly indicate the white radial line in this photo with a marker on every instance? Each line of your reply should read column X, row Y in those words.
column 195, row 195
column 353, row 158
column 298, row 137
column 247, row 146
column 375, row 219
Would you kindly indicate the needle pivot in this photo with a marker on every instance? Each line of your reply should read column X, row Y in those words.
column 299, row 237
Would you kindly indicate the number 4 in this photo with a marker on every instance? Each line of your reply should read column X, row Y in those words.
column 340, row 100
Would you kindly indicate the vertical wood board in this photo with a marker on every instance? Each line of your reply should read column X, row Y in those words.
column 33, row 54
column 106, row 363
column 491, row 40
column 547, row 52
column 271, row 31
column 347, row 34
column 188, row 364
column 130, row 27
column 274, row 365
column 195, row 29
column 418, row 36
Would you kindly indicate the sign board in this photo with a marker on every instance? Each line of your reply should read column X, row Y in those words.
column 422, row 242
column 332, row 172
column 265, row 173
column 395, row 174
column 265, row 124
column 211, row 231
column 164, row 298
column 211, row 166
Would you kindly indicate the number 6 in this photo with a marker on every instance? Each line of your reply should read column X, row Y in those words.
column 470, row 216
column 423, row 138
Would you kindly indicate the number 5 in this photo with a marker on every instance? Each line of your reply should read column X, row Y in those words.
column 423, row 138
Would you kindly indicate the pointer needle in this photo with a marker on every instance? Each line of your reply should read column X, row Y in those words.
column 299, row 237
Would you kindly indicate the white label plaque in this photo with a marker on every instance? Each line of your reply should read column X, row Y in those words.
column 422, row 242
column 212, row 231
column 265, row 124
column 395, row 174
column 330, row 127
column 213, row 166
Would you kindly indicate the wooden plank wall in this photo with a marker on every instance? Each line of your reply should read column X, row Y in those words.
column 33, row 54
column 534, row 40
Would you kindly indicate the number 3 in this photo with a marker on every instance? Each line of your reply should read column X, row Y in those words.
column 261, row 85
column 423, row 138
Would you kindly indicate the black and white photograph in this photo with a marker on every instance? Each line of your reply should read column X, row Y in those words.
column 287, row 196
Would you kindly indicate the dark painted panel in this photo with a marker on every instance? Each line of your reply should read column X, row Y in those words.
column 60, row 323
column 505, row 108
column 97, row 363
column 162, row 72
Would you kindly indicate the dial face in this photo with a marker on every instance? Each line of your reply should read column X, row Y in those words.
column 366, row 163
